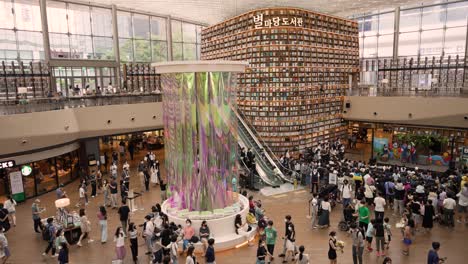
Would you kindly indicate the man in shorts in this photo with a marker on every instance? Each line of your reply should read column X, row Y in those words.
column 463, row 204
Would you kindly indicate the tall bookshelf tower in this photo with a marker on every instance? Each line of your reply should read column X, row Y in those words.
column 301, row 63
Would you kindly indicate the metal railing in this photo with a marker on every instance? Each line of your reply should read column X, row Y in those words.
column 428, row 76
column 21, row 106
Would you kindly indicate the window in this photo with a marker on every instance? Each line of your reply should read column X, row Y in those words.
column 371, row 25
column 385, row 46
column 126, row 49
column 456, row 14
column 190, row 51
column 158, row 28
column 30, row 46
column 6, row 14
column 433, row 17
column 386, row 23
column 408, row 44
column 410, row 20
column 103, row 48
column 45, row 174
column 141, row 26
column 177, row 51
column 8, row 45
column 455, row 39
column 28, row 15
column 142, row 50
column 431, row 43
column 124, row 24
column 159, row 51
column 370, row 47
column 81, row 47
column 102, row 22
column 79, row 19
column 59, row 45
column 189, row 33
column 176, row 31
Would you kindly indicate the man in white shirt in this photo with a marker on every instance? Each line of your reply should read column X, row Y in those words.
column 148, row 233
column 113, row 170
column 82, row 194
column 346, row 190
column 379, row 209
column 449, row 205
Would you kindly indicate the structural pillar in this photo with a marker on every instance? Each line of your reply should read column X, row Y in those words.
column 46, row 42
column 396, row 33
column 115, row 34
column 169, row 38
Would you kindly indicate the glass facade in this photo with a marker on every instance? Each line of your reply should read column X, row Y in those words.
column 186, row 41
column 80, row 31
column 142, row 38
column 427, row 31
column 46, row 174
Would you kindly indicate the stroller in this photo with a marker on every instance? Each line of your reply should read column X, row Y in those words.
column 349, row 217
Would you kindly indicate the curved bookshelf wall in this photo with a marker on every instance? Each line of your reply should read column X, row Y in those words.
column 300, row 66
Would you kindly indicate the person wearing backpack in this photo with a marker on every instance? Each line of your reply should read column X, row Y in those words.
column 48, row 234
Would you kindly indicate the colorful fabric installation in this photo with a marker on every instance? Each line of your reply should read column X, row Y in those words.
column 200, row 130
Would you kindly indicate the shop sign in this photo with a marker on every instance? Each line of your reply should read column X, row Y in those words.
column 26, row 170
column 16, row 184
column 7, row 164
column 277, row 21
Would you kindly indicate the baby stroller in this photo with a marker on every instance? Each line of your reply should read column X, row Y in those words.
column 349, row 218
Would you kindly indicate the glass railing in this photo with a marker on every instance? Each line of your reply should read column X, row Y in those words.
column 25, row 105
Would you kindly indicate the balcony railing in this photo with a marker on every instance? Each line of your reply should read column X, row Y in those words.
column 20, row 106
column 435, row 76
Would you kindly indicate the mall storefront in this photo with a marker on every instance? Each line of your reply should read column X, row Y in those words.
column 38, row 173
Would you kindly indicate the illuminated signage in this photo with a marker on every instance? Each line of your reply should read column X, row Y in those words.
column 26, row 170
column 7, row 164
column 277, row 21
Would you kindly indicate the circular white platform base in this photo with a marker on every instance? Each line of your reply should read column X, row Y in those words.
column 222, row 229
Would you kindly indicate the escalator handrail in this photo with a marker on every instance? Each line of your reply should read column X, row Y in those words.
column 261, row 160
column 272, row 154
column 267, row 180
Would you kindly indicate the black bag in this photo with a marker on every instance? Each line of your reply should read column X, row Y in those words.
column 46, row 233
column 194, row 239
column 320, row 210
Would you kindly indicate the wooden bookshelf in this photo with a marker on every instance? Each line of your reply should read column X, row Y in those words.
column 300, row 63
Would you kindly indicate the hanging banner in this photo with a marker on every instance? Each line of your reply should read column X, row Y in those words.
column 332, row 178
column 16, row 186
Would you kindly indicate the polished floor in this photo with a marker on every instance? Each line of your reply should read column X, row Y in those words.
column 27, row 246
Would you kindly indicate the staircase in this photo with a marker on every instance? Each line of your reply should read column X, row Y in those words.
column 266, row 167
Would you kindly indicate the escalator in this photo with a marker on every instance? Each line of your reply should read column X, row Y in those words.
column 267, row 169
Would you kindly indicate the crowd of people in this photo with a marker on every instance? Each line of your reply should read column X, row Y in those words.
column 378, row 202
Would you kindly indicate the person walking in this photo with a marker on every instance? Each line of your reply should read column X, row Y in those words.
column 314, row 210
column 462, row 204
column 119, row 240
column 388, row 231
column 433, row 254
column 141, row 174
column 4, row 218
column 63, row 254
column 398, row 206
column 379, row 209
column 93, row 181
column 85, row 228
column 379, row 233
column 50, row 235
column 102, row 217
column 314, row 180
column 302, row 258
column 370, row 235
column 82, row 194
column 287, row 221
column 262, row 252
column 4, row 249
column 270, row 235
column 449, row 205
column 358, row 243
column 332, row 248
column 173, row 248
column 106, row 193
column 364, row 218
column 124, row 213
column 10, row 205
column 190, row 256
column 133, row 234
column 36, row 215
column 113, row 192
column 210, row 252
column 148, row 230
column 290, row 243
column 428, row 218
column 407, row 237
